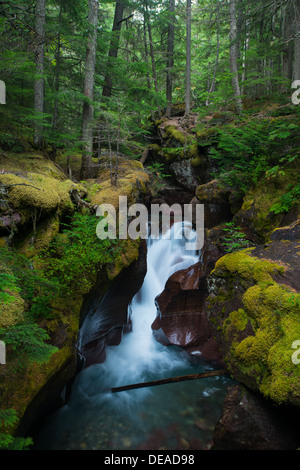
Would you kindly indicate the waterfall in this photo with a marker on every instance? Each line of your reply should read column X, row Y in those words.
column 139, row 354
column 106, row 420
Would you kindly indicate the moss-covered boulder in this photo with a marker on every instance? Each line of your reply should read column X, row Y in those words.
column 220, row 202
column 33, row 189
column 178, row 143
column 273, row 202
column 131, row 181
column 254, row 308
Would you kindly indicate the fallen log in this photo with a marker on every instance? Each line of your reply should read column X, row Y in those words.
column 181, row 378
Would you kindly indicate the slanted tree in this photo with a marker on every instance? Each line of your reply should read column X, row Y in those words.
column 89, row 81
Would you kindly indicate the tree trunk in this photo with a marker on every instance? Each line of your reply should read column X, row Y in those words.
column 154, row 75
column 182, row 378
column 188, row 70
column 39, row 86
column 114, row 45
column 89, row 79
column 146, row 49
column 287, row 66
column 233, row 58
column 296, row 65
column 56, row 87
column 212, row 87
column 170, row 57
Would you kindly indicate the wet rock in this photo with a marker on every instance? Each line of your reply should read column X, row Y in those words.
column 250, row 423
column 181, row 316
column 105, row 310
column 185, row 174
column 212, row 249
column 174, row 195
column 220, row 202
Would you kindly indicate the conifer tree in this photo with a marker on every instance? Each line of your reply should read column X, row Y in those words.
column 39, row 86
column 188, row 57
column 233, row 57
column 114, row 45
column 170, row 56
column 89, row 81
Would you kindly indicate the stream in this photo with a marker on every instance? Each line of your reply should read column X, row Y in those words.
column 165, row 417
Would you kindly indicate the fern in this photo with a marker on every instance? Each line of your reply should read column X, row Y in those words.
column 28, row 340
column 8, row 442
column 287, row 201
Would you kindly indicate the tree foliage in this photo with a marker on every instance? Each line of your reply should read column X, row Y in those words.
column 144, row 58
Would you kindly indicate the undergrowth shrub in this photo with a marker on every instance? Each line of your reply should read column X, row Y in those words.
column 75, row 262
column 246, row 151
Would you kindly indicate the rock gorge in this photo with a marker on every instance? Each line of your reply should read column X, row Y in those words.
column 241, row 309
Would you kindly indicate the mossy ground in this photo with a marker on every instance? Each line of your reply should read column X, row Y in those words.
column 132, row 181
column 178, row 145
column 36, row 186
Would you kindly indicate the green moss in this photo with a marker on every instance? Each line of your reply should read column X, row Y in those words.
column 260, row 199
column 128, row 253
column 244, row 351
column 40, row 241
column 155, row 148
column 174, row 133
column 11, row 311
column 132, row 182
column 70, row 260
column 179, row 136
column 35, row 192
column 22, row 163
column 197, row 161
column 273, row 311
column 247, row 266
column 193, row 153
column 205, row 133
column 236, row 321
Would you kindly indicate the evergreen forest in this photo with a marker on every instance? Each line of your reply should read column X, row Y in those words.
column 162, row 101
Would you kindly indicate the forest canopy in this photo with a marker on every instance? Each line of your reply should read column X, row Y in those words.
column 81, row 74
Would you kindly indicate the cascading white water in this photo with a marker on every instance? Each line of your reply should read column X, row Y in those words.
column 139, row 354
column 138, row 358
